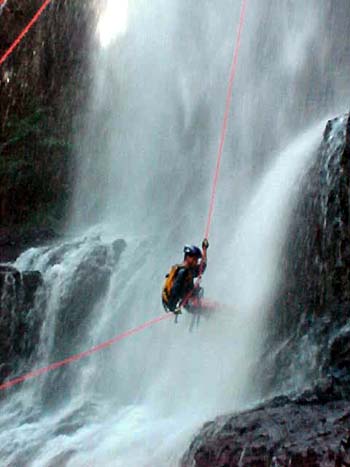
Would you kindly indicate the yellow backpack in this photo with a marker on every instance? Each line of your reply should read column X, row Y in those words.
column 169, row 282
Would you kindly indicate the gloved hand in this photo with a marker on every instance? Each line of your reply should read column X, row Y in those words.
column 205, row 244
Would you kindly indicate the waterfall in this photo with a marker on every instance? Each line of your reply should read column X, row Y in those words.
column 146, row 161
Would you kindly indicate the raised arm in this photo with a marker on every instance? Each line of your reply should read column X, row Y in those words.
column 203, row 264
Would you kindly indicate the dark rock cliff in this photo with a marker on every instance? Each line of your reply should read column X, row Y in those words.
column 43, row 84
column 302, row 432
column 311, row 312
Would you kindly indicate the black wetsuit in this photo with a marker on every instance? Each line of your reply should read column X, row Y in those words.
column 184, row 284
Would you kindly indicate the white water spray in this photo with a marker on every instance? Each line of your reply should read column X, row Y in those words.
column 113, row 22
column 145, row 174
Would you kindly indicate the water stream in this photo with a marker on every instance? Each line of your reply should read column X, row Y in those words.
column 146, row 164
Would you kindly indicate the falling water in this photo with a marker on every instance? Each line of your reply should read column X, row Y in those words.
column 146, row 166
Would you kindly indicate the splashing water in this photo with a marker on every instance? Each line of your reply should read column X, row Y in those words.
column 145, row 175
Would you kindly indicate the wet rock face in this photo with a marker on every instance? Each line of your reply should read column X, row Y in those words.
column 76, row 306
column 77, row 274
column 308, row 339
column 21, row 316
column 44, row 85
column 91, row 280
column 319, row 239
column 313, row 305
column 282, row 433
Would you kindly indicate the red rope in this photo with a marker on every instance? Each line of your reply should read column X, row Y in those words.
column 140, row 328
column 72, row 358
column 226, row 115
column 24, row 32
column 222, row 138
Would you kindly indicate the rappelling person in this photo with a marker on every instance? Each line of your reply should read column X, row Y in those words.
column 179, row 288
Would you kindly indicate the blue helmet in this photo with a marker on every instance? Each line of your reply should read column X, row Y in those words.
column 191, row 250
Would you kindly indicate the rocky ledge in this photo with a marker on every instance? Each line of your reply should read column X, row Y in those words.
column 13, row 241
column 312, row 430
column 21, row 317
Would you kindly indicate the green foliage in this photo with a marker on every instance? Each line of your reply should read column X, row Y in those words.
column 32, row 127
column 33, row 169
column 52, row 142
column 19, row 129
column 50, row 215
column 48, row 81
